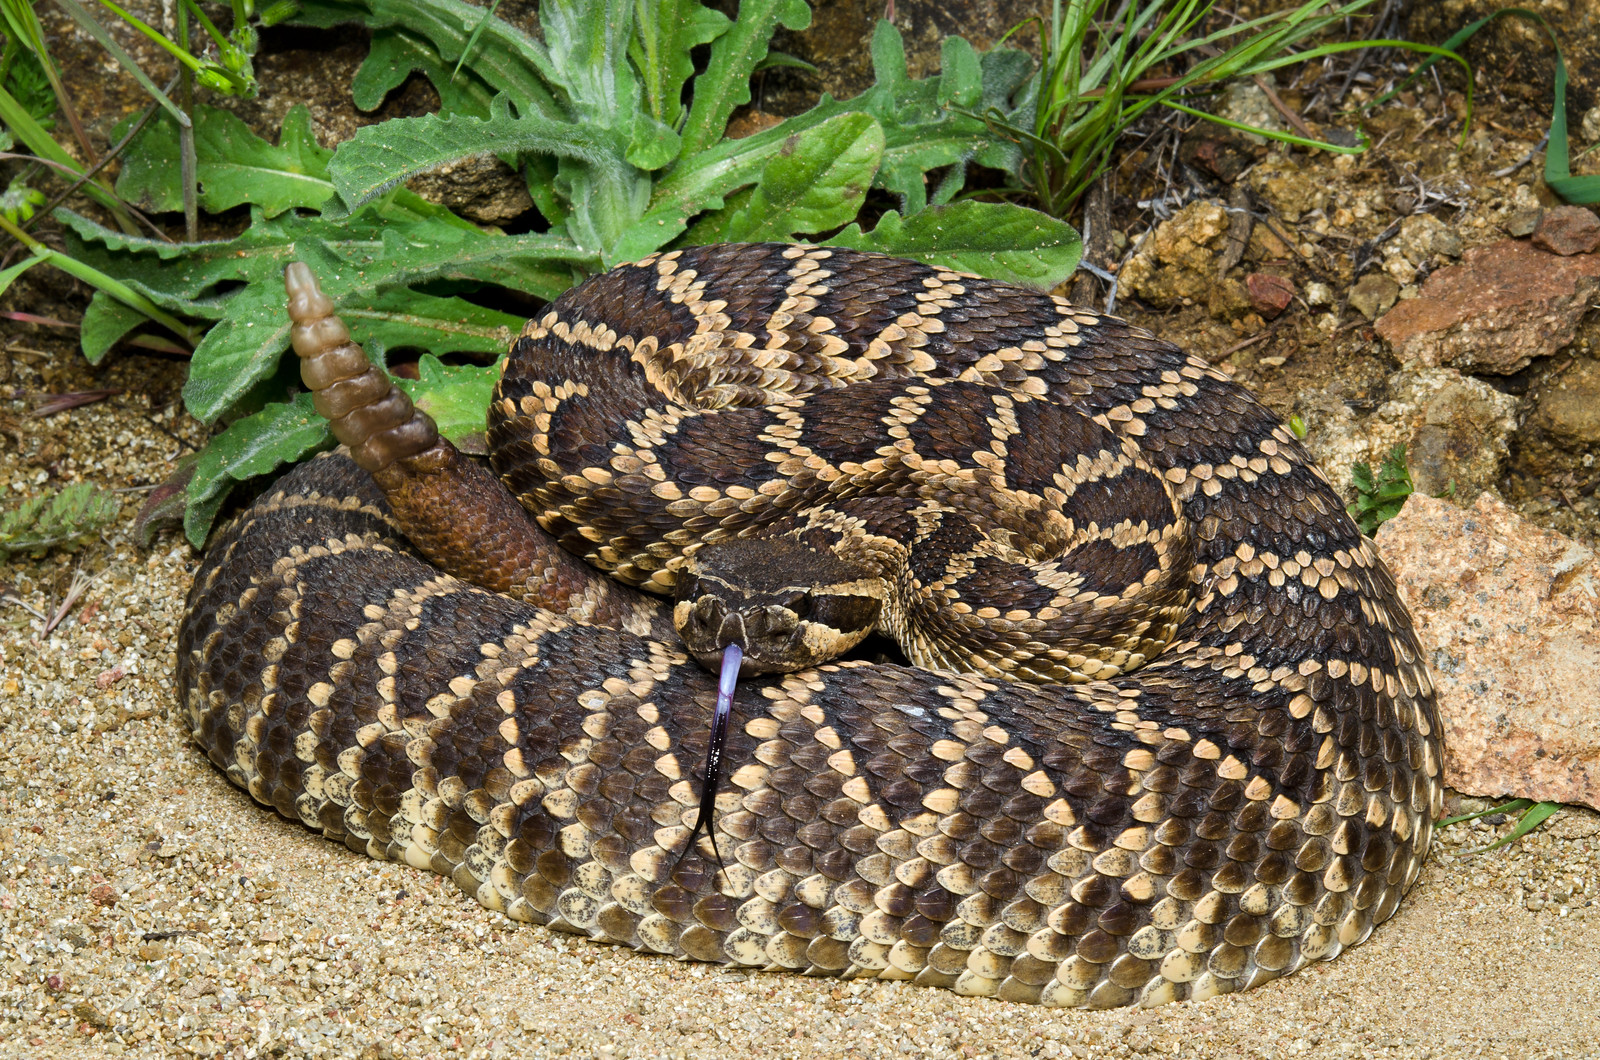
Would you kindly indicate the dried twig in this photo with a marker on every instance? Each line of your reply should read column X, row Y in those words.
column 7, row 597
column 50, row 404
column 75, row 590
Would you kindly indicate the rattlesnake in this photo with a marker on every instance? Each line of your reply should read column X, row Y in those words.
column 1239, row 775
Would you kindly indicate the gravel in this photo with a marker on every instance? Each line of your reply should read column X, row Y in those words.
column 149, row 909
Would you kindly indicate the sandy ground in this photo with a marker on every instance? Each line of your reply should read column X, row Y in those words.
column 147, row 908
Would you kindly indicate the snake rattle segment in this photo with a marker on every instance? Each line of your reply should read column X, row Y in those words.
column 1167, row 732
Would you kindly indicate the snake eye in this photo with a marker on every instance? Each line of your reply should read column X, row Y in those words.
column 797, row 601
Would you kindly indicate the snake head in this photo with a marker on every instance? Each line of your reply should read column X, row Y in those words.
column 787, row 606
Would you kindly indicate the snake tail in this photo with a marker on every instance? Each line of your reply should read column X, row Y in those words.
column 454, row 511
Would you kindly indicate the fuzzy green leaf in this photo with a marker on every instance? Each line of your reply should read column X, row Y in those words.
column 588, row 43
column 960, row 74
column 815, row 182
column 234, row 165
column 1380, row 496
column 9, row 276
column 247, row 345
column 725, row 84
column 255, row 445
column 455, row 396
column 667, row 30
column 398, row 53
column 380, row 156
column 997, row 240
column 105, row 321
column 506, row 59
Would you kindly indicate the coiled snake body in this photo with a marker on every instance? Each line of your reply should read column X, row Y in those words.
column 1236, row 775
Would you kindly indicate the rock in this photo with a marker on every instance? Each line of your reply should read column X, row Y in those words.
column 481, row 188
column 1459, row 427
column 1560, row 436
column 1505, row 304
column 1374, row 293
column 1522, row 221
column 1269, row 294
column 1506, row 613
column 1318, row 294
column 1522, row 213
column 1399, row 268
column 1570, row 407
column 1177, row 261
column 1218, row 151
column 1455, row 428
column 1293, row 194
column 1246, row 102
column 1424, row 237
column 1568, row 230
column 1591, row 125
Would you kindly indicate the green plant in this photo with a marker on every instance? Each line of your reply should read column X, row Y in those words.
column 1558, row 155
column 31, row 91
column 59, row 518
column 616, row 162
column 1380, row 496
column 1103, row 69
column 1530, row 816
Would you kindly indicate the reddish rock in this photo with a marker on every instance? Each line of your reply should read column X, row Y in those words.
column 1506, row 613
column 1505, row 304
column 1269, row 294
column 1568, row 230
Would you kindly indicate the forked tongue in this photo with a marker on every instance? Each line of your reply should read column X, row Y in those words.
column 732, row 656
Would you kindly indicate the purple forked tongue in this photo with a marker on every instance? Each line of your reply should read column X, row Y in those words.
column 732, row 656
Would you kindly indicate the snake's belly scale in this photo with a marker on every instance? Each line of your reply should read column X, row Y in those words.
column 1258, row 796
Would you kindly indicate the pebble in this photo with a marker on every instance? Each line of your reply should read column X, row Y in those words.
column 1568, row 230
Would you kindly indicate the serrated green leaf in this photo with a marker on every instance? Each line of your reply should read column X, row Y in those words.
column 457, row 397
column 816, row 181
column 234, row 165
column 380, row 156
column 396, row 54
column 247, row 345
column 725, row 84
column 59, row 518
column 506, row 59
column 920, row 134
column 255, row 445
column 888, row 49
column 105, row 321
column 652, row 145
column 666, row 31
column 243, row 348
column 998, row 240
column 588, row 44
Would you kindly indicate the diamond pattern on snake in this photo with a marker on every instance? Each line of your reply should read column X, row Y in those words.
column 1141, row 717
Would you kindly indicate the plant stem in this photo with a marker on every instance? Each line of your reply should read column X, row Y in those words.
column 99, row 280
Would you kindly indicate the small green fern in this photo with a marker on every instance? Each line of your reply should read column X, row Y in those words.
column 55, row 519
column 1379, row 497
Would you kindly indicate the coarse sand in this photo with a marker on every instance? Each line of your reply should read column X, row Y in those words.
column 148, row 908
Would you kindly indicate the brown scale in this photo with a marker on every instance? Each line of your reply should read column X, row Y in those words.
column 1258, row 797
